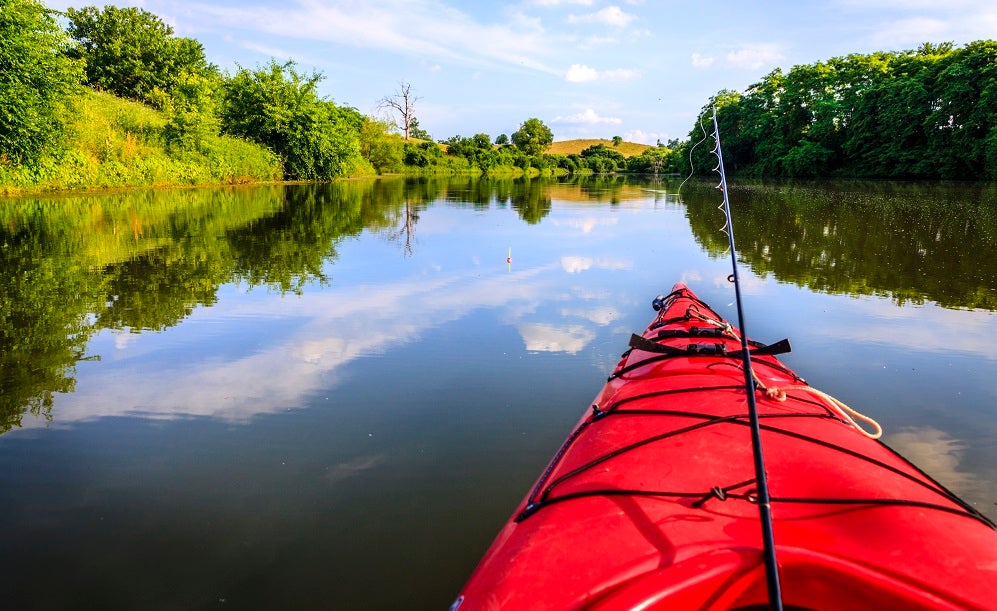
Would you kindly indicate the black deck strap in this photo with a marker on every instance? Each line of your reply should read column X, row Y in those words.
column 647, row 345
column 780, row 347
column 693, row 332
column 730, row 355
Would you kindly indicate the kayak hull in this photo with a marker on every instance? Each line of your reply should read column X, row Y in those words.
column 651, row 500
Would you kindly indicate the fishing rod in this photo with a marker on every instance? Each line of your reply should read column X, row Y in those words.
column 764, row 500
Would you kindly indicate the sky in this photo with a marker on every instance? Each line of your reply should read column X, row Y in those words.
column 640, row 69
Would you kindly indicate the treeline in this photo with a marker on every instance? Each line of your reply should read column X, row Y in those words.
column 48, row 73
column 930, row 113
column 924, row 114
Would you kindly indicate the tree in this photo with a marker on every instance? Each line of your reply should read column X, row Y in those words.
column 279, row 108
column 383, row 149
column 36, row 80
column 502, row 139
column 533, row 137
column 417, row 132
column 191, row 112
column 617, row 140
column 132, row 52
column 402, row 103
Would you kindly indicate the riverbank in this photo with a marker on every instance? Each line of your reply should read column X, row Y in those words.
column 111, row 143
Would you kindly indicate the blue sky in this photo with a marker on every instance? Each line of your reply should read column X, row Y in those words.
column 640, row 69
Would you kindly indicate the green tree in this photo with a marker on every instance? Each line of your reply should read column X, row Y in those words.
column 928, row 113
column 533, row 137
column 502, row 139
column 414, row 131
column 132, row 52
column 191, row 111
column 279, row 108
column 36, row 80
column 601, row 159
column 383, row 149
column 655, row 160
column 617, row 140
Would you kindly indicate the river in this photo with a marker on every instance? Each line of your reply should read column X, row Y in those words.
column 331, row 396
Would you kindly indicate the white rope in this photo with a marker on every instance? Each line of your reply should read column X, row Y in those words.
column 847, row 413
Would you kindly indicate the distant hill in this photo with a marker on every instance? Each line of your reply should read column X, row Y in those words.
column 567, row 147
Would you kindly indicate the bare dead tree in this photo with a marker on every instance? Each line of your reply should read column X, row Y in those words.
column 402, row 104
column 406, row 228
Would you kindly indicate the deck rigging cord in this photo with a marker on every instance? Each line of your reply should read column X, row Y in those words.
column 764, row 498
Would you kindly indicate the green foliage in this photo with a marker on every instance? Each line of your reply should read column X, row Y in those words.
column 913, row 114
column 617, row 140
column 279, row 108
column 132, row 52
column 383, row 149
column 191, row 112
column 910, row 241
column 414, row 131
column 533, row 137
column 36, row 81
column 422, row 155
column 533, row 202
column 110, row 142
column 657, row 160
column 597, row 158
column 502, row 139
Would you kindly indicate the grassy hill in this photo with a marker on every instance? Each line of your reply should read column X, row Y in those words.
column 567, row 147
column 111, row 142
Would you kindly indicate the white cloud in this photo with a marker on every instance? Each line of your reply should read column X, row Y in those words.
column 587, row 224
column 975, row 329
column 602, row 316
column 587, row 117
column 574, row 264
column 611, row 15
column 939, row 454
column 644, row 137
column 754, row 56
column 541, row 337
column 748, row 57
column 337, row 332
column 427, row 28
column 580, row 73
column 698, row 61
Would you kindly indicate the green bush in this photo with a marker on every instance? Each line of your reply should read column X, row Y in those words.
column 37, row 81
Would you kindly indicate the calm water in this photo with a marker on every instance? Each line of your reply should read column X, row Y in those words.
column 332, row 396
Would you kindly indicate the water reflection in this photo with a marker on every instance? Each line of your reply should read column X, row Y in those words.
column 910, row 242
column 145, row 261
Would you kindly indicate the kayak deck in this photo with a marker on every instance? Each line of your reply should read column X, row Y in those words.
column 651, row 499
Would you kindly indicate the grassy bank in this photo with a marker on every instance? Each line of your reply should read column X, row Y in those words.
column 112, row 142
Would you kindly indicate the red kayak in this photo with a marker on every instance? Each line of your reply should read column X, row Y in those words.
column 651, row 500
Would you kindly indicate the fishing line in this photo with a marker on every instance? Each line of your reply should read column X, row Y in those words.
column 692, row 166
column 692, row 171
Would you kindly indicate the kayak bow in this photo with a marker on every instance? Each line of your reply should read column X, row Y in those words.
column 651, row 502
